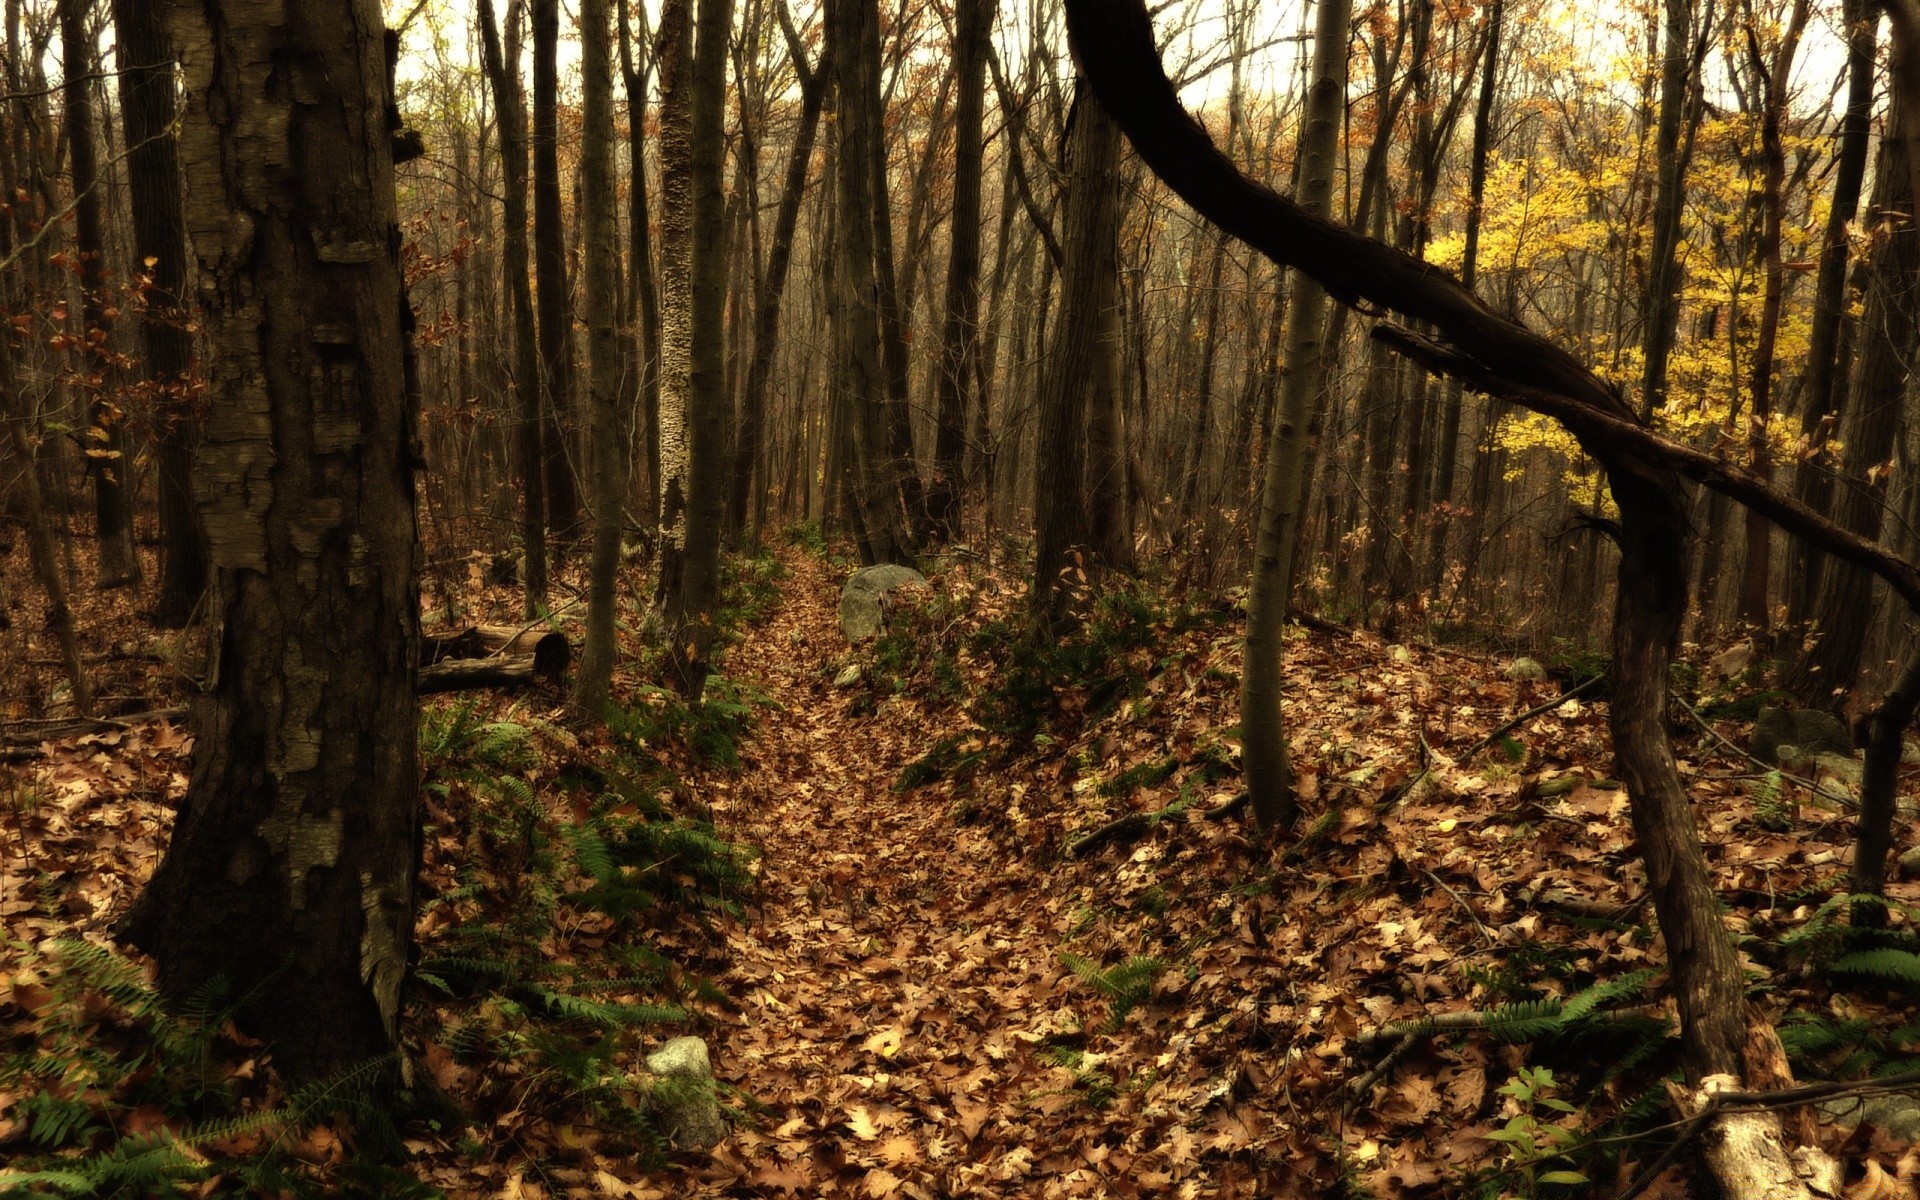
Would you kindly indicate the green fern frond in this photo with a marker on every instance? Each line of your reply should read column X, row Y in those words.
column 1524, row 1021
column 1893, row 966
column 1589, row 1000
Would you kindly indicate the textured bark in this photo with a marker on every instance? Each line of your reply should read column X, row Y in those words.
column 550, row 268
column 1082, row 354
column 291, row 868
column 153, row 177
column 860, row 378
column 1263, row 736
column 674, row 49
column 955, row 381
column 690, row 615
column 643, row 302
column 107, row 444
column 607, row 441
column 519, row 284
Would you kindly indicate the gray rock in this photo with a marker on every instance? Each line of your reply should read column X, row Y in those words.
column 1896, row 1115
column 848, row 676
column 864, row 600
column 682, row 1098
column 1526, row 670
column 1807, row 730
column 1909, row 864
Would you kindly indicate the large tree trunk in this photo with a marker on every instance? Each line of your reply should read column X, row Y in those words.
column 153, row 176
column 108, row 454
column 607, row 441
column 291, row 869
column 550, row 266
column 513, row 259
column 1263, row 736
column 1082, row 352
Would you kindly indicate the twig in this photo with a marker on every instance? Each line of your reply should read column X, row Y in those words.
column 1769, row 768
column 1467, row 908
column 1362, row 1084
column 1134, row 824
column 1530, row 714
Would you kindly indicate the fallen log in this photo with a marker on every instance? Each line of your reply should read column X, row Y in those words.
column 24, row 741
column 549, row 650
column 1132, row 826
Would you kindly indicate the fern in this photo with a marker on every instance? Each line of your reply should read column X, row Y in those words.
column 1892, row 966
column 1524, row 1021
column 1124, row 985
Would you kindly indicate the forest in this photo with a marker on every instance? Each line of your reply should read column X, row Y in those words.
column 1065, row 598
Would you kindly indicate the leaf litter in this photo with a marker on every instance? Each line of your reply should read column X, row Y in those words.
column 897, row 1012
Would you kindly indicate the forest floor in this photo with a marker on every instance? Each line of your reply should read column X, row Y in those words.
column 925, row 992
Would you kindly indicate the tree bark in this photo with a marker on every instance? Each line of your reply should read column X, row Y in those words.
column 1824, row 379
column 550, row 267
column 519, row 285
column 956, row 379
column 1082, row 354
column 1263, row 736
column 607, row 438
column 153, row 176
column 291, row 869
column 690, row 617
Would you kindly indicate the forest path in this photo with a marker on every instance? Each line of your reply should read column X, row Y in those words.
column 891, row 961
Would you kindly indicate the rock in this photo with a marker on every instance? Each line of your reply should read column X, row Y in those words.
column 1896, row 1115
column 683, row 1099
column 1525, row 670
column 1807, row 730
column 848, row 676
column 864, row 600
column 1908, row 866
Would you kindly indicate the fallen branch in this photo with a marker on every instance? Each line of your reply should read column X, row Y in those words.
column 1134, row 825
column 1530, row 714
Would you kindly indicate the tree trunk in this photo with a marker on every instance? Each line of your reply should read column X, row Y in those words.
column 108, row 457
column 673, row 48
column 153, row 174
column 690, row 615
column 1890, row 333
column 956, row 379
column 519, row 286
column 860, row 373
column 1825, row 380
column 607, row 441
column 1081, row 354
column 644, row 297
column 550, row 268
column 1263, row 737
column 291, row 869
column 749, row 464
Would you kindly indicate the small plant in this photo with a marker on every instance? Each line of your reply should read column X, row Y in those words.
column 1531, row 1139
column 1124, row 985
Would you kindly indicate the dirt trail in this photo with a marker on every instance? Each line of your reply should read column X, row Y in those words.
column 898, row 968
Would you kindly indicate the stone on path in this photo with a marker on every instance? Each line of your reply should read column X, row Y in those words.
column 1808, row 731
column 864, row 600
column 683, row 1098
